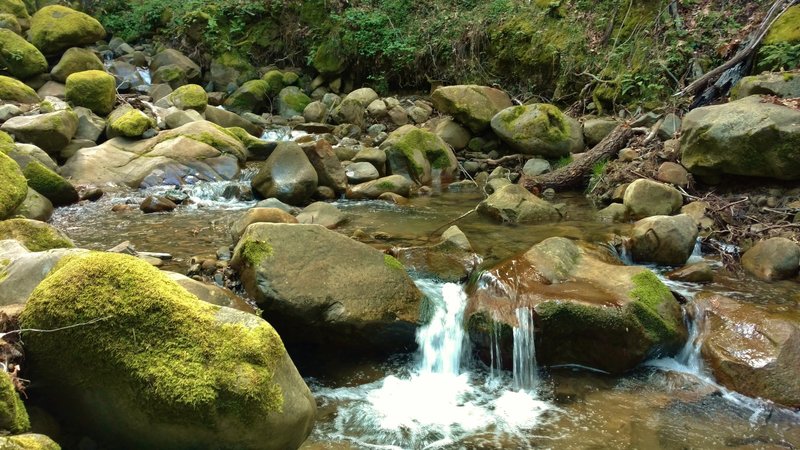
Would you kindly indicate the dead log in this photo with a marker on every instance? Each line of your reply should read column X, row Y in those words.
column 576, row 174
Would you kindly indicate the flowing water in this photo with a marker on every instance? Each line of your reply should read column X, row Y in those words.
column 440, row 397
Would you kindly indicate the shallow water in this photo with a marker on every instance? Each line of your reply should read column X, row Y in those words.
column 442, row 398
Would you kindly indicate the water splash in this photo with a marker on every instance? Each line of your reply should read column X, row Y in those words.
column 442, row 339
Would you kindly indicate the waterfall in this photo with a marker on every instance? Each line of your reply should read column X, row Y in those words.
column 524, row 369
column 442, row 339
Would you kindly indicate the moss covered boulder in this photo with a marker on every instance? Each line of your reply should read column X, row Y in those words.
column 250, row 97
column 12, row 90
column 159, row 368
column 779, row 84
column 93, row 89
column 56, row 28
column 50, row 184
column 538, row 129
column 328, row 60
column 34, row 235
column 321, row 287
column 588, row 308
column 513, row 204
column 287, row 175
column 751, row 349
column 28, row 441
column 786, row 29
column 51, row 132
column 171, row 57
column 35, row 206
column 13, row 189
column 17, row 9
column 750, row 137
column 9, row 22
column 190, row 96
column 127, row 121
column 292, row 101
column 417, row 153
column 19, row 58
column 471, row 105
column 13, row 416
column 231, row 70
column 75, row 60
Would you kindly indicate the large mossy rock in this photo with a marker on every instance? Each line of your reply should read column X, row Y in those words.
column 292, row 101
column 252, row 97
column 782, row 84
column 50, row 184
column 415, row 153
column 13, row 187
column 587, row 307
column 13, row 90
column 159, row 368
column 75, row 60
column 538, row 129
column 17, row 9
column 56, row 28
column 328, row 60
column 750, row 137
column 752, row 350
column 34, row 235
column 321, row 287
column 199, row 150
column 514, row 204
column 190, row 96
column 93, row 89
column 231, row 69
column 51, row 132
column 471, row 105
column 19, row 58
column 13, row 416
column 127, row 121
column 28, row 441
column 287, row 175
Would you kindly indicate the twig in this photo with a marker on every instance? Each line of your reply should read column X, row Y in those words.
column 436, row 231
column 2, row 335
column 732, row 204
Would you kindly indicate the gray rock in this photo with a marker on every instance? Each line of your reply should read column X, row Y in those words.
column 773, row 259
column 329, row 170
column 646, row 198
column 51, row 132
column 471, row 105
column 514, row 204
column 783, row 84
column 454, row 134
column 595, row 130
column 396, row 184
column 664, row 239
column 315, row 112
column 359, row 172
column 536, row 166
column 322, row 213
column 287, row 175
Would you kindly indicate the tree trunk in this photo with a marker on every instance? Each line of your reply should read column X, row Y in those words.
column 576, row 174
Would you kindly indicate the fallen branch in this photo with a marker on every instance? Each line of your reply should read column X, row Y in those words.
column 576, row 174
column 496, row 162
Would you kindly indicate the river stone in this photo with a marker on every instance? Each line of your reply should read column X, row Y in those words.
column 646, row 198
column 321, row 287
column 513, row 204
column 372, row 155
column 28, row 441
column 198, row 150
column 13, row 90
column 250, row 97
column 75, row 60
column 589, row 309
column 615, row 212
column 473, row 106
column 34, row 235
column 211, row 374
column 228, row 119
column 260, row 215
column 361, row 172
column 286, row 175
column 673, row 173
column 773, row 259
column 538, row 129
column 779, row 84
column 127, row 121
column 364, row 96
column 453, row 134
column 13, row 189
column 536, row 166
column 171, row 57
column 24, row 154
column 50, row 184
column 322, row 213
column 699, row 272
column 665, row 240
column 415, row 153
column 315, row 112
column 211, row 293
column 51, row 132
column 750, row 137
column 19, row 58
column 35, row 206
column 329, row 170
column 23, row 270
column 292, row 101
column 157, row 204
column 377, row 109
column 230, row 68
column 56, row 28
column 395, row 184
column 450, row 260
column 750, row 350
column 349, row 111
column 595, row 130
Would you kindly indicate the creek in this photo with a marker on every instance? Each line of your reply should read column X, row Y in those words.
column 441, row 397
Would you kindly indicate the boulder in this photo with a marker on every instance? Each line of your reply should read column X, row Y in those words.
column 588, row 309
column 471, row 105
column 779, row 84
column 171, row 75
column 228, row 119
column 259, row 215
column 750, row 137
column 395, row 184
column 13, row 189
column 372, row 155
column 321, row 287
column 13, row 416
column 170, row 57
column 538, row 129
column 190, row 96
column 321, row 213
column 349, row 111
column 9, row 22
column 415, row 153
column 75, row 60
column 50, row 184
column 595, row 130
column 673, row 173
column 451, row 260
column 17, row 9
column 535, row 167
column 514, row 204
column 360, row 172
column 328, row 60
column 127, row 121
column 363, row 96
column 292, row 101
column 23, row 270
column 19, row 58
column 286, row 175
column 210, row 374
column 700, row 272
column 646, row 198
column 453, row 134
column 751, row 350
column 34, row 235
column 56, row 28
column 315, row 112
column 231, row 69
column 329, row 170
column 52, row 89
column 156, row 204
column 35, row 206
column 665, row 240
column 773, row 259
column 93, row 89
column 250, row 97
column 51, row 132
column 28, row 441
column 129, row 76
column 16, row 91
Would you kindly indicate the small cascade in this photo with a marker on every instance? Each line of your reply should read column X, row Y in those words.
column 525, row 369
column 442, row 340
column 436, row 180
column 144, row 72
column 278, row 133
column 496, row 357
column 690, row 356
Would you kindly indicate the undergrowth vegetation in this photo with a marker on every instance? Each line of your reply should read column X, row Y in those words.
column 614, row 53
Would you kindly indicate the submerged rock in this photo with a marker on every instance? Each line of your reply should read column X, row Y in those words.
column 159, row 368
column 588, row 308
column 318, row 286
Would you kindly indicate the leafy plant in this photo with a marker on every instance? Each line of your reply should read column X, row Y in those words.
column 779, row 56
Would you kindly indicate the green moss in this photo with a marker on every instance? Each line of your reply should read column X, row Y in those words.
column 56, row 28
column 786, row 29
column 292, row 101
column 13, row 416
column 650, row 295
column 386, row 186
column 16, row 91
column 161, row 347
column 28, row 442
column 255, row 251
column 18, row 57
column 9, row 22
column 250, row 97
column 93, row 89
column 274, row 80
column 5, row 138
column 392, row 263
column 34, row 235
column 75, row 60
column 131, row 123
column 50, row 184
column 190, row 96
column 14, row 7
column 429, row 144
column 328, row 59
column 290, row 78
column 13, row 188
